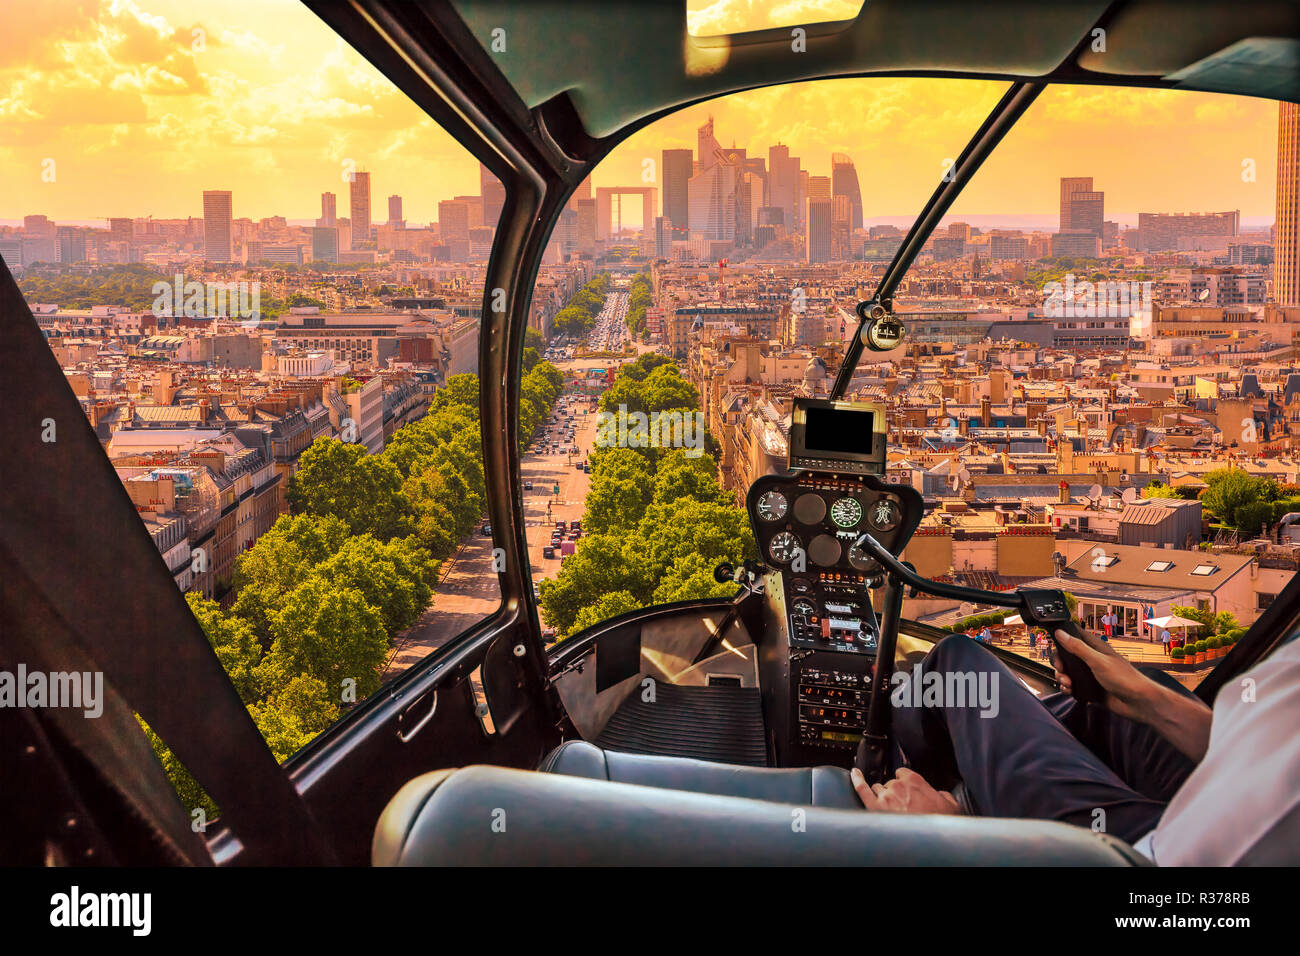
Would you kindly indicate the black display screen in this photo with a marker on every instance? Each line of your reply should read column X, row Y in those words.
column 846, row 431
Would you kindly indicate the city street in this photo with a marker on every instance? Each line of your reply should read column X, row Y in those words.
column 468, row 590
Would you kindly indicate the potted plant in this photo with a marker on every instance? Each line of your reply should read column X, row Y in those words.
column 1200, row 652
column 1179, row 656
column 1213, row 648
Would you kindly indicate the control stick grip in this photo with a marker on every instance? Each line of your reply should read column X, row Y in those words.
column 1048, row 609
column 1084, row 685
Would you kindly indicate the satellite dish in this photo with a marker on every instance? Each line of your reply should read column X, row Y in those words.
column 963, row 476
column 1094, row 492
column 1130, row 495
column 1205, row 294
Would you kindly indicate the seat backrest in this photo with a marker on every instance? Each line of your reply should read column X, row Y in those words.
column 497, row 816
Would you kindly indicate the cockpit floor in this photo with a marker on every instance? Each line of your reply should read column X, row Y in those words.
column 720, row 723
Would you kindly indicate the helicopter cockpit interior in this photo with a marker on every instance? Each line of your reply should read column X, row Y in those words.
column 682, row 732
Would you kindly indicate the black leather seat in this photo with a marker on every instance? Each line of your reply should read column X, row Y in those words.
column 802, row 786
column 498, row 816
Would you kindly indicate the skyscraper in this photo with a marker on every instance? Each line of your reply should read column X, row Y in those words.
column 394, row 210
column 844, row 182
column 217, row 245
column 453, row 220
column 818, row 218
column 360, row 207
column 676, row 169
column 1070, row 186
column 328, row 210
column 714, row 193
column 783, row 184
column 493, row 194
column 1286, row 228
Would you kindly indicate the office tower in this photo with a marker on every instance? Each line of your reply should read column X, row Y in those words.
column 582, row 192
column 959, row 230
column 714, row 193
column 217, row 245
column 817, row 220
column 586, row 209
column 663, row 236
column 325, row 244
column 1070, row 186
column 1087, row 213
column 1158, row 231
column 1286, row 229
column 493, row 194
column 359, row 206
column 328, row 210
column 394, row 210
column 453, row 220
column 120, row 230
column 675, row 170
column 475, row 206
column 34, row 226
column 72, row 244
column 783, row 184
column 844, row 182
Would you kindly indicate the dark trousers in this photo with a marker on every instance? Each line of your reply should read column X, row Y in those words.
column 1053, row 758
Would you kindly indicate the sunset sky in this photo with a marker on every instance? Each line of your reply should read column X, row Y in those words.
column 140, row 113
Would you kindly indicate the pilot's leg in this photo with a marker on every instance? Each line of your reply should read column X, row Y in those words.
column 1142, row 758
column 1014, row 756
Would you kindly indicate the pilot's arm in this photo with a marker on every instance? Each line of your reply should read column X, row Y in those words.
column 1181, row 719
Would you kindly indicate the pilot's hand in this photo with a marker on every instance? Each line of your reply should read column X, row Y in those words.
column 1128, row 690
column 906, row 793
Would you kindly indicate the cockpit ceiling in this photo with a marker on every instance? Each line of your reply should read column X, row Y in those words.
column 622, row 62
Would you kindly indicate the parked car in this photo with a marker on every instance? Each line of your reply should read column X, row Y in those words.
column 486, row 530
column 548, row 551
column 528, row 486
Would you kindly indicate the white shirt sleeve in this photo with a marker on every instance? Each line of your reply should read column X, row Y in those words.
column 1241, row 805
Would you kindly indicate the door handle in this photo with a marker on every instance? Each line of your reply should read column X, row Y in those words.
column 408, row 715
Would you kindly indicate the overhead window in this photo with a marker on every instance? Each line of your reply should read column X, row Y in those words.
column 1205, row 570
column 1160, row 565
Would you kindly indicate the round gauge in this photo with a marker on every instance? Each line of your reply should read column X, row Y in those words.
column 804, row 607
column 771, row 506
column 846, row 512
column 801, row 586
column 810, row 509
column 783, row 547
column 824, row 550
column 862, row 561
column 884, row 514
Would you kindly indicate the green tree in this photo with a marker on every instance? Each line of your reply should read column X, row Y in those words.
column 690, row 578
column 364, row 491
column 326, row 632
column 295, row 716
column 609, row 605
column 234, row 642
column 601, row 564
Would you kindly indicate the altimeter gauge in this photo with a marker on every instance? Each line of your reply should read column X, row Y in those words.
column 771, row 506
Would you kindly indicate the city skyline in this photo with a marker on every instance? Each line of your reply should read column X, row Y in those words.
column 278, row 125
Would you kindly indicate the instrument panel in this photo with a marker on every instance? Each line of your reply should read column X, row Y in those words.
column 818, row 599
column 806, row 522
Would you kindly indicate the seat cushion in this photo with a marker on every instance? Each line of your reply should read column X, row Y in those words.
column 480, row 816
column 802, row 786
